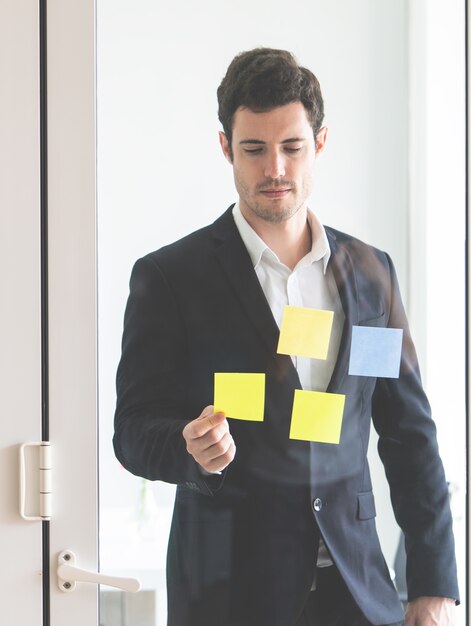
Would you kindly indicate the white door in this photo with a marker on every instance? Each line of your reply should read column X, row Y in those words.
column 48, row 313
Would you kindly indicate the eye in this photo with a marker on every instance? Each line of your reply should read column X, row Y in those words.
column 292, row 150
column 252, row 150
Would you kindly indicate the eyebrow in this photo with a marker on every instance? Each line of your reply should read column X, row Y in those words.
column 260, row 142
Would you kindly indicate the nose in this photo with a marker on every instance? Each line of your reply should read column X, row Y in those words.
column 274, row 165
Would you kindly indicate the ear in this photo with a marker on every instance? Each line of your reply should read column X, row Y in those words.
column 226, row 148
column 321, row 139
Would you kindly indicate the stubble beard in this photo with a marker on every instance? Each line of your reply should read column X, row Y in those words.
column 275, row 213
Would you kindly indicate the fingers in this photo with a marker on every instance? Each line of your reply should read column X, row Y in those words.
column 209, row 441
column 219, row 455
column 221, row 462
column 203, row 424
column 206, row 438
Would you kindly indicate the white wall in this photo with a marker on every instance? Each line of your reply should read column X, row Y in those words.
column 161, row 173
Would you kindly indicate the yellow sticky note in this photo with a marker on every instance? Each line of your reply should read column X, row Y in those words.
column 317, row 416
column 240, row 395
column 305, row 332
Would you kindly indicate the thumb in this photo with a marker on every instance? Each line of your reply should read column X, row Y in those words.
column 214, row 417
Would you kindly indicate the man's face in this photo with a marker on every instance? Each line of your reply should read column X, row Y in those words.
column 273, row 157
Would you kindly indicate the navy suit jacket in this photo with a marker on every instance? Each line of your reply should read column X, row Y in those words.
column 242, row 549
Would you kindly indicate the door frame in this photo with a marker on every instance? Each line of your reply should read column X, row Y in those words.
column 71, row 90
column 20, row 314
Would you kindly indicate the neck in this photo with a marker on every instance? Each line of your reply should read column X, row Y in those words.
column 290, row 240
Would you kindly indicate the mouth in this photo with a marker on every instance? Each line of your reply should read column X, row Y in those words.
column 275, row 193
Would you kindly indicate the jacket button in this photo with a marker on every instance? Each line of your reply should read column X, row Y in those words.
column 317, row 504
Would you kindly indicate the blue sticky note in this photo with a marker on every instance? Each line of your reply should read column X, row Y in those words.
column 375, row 352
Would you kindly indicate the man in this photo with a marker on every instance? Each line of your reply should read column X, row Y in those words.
column 268, row 530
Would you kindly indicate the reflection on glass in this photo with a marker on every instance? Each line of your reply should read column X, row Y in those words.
column 133, row 541
column 168, row 179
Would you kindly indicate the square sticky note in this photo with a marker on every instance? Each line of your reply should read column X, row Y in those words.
column 375, row 352
column 305, row 332
column 240, row 395
column 317, row 416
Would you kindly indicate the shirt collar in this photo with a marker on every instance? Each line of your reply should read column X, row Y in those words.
column 255, row 245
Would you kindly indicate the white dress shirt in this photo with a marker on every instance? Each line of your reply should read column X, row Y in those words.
column 310, row 284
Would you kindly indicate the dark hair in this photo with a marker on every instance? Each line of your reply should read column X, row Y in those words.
column 263, row 79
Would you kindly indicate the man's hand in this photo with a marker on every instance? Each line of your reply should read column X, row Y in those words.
column 209, row 441
column 430, row 611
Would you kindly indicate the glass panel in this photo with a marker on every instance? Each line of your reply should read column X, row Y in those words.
column 161, row 176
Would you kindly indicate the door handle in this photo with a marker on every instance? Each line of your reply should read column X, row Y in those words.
column 68, row 575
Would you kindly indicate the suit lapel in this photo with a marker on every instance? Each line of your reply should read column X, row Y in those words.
column 235, row 261
column 344, row 275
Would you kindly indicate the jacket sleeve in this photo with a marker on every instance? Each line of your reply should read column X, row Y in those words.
column 151, row 379
column 408, row 448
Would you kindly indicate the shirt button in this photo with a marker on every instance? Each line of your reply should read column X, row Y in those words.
column 317, row 504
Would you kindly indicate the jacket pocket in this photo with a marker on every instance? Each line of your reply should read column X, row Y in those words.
column 378, row 321
column 366, row 505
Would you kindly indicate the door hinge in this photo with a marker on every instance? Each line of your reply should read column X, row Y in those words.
column 36, row 479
